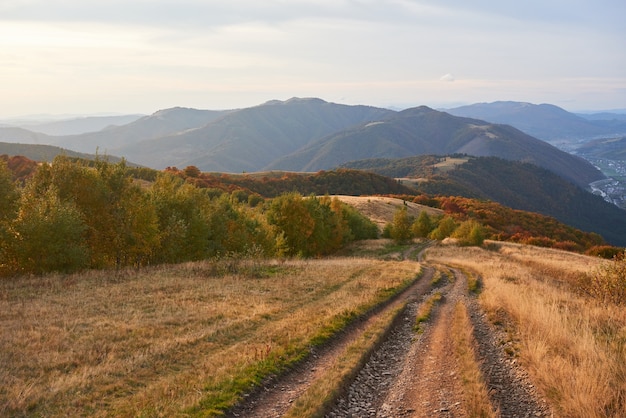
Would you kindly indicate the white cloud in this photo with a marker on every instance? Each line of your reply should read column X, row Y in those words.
column 448, row 77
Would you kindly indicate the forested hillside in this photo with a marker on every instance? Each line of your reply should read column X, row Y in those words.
column 73, row 215
column 517, row 185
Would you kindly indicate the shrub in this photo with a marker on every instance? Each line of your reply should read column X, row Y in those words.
column 608, row 282
column 470, row 232
column 445, row 229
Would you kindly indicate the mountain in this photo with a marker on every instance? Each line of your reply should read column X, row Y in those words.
column 47, row 153
column 423, row 130
column 306, row 135
column 608, row 116
column 162, row 123
column 544, row 121
column 250, row 139
column 608, row 148
column 20, row 135
column 76, row 126
column 513, row 184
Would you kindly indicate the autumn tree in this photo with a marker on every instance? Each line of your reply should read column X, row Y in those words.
column 401, row 225
column 182, row 215
column 47, row 235
column 329, row 228
column 8, row 194
column 359, row 226
column 444, row 229
column 470, row 232
column 9, row 197
column 422, row 226
column 290, row 215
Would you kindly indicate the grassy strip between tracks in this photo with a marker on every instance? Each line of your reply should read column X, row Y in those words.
column 474, row 389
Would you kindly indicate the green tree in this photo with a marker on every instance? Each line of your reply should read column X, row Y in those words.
column 9, row 203
column 182, row 211
column 359, row 227
column 470, row 232
column 138, row 234
column 47, row 235
column 8, row 194
column 422, row 226
column 401, row 225
column 329, row 230
column 290, row 216
column 444, row 229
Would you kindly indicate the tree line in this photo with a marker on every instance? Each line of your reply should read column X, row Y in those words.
column 71, row 215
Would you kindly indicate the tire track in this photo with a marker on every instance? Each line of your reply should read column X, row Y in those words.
column 276, row 396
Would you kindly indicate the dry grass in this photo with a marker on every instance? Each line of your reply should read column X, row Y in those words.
column 574, row 347
column 170, row 341
column 382, row 209
column 315, row 401
column 475, row 391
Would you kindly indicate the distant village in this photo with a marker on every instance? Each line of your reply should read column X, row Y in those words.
column 612, row 189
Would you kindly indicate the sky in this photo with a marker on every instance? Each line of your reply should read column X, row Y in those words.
column 139, row 56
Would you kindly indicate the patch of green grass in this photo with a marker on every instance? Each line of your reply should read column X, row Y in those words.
column 425, row 311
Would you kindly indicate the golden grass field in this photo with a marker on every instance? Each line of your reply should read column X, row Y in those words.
column 574, row 347
column 171, row 341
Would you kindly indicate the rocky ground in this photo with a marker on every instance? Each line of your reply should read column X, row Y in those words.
column 411, row 374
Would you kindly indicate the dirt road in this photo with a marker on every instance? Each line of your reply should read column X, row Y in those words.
column 411, row 374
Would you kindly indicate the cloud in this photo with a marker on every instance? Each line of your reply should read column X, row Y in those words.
column 448, row 77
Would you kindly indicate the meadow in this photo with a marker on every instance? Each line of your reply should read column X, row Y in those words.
column 173, row 340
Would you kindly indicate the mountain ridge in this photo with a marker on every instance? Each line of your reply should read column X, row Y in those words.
column 308, row 134
column 544, row 121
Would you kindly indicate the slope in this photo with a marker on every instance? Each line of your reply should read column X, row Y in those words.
column 426, row 131
column 251, row 138
column 44, row 153
column 517, row 185
column 163, row 122
column 544, row 121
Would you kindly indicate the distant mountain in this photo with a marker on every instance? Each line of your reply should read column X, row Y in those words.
column 543, row 121
column 609, row 116
column 423, row 130
column 608, row 148
column 76, row 126
column 307, row 135
column 514, row 184
column 45, row 153
column 162, row 123
column 23, row 136
column 250, row 139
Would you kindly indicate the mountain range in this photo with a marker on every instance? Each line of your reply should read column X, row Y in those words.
column 307, row 135
column 71, row 126
column 545, row 121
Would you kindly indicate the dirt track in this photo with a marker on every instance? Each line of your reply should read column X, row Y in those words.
column 410, row 375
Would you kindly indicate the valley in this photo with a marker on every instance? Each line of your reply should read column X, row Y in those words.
column 613, row 189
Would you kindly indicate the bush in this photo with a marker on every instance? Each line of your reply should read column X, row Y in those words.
column 605, row 251
column 445, row 229
column 608, row 282
column 469, row 233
